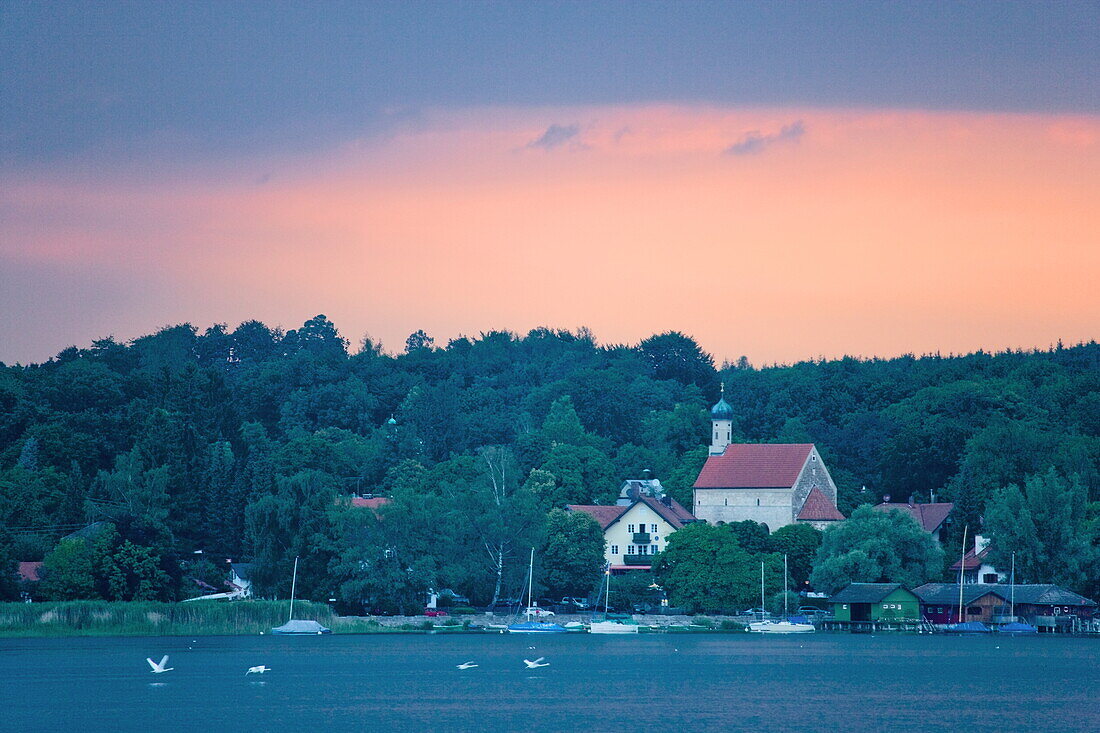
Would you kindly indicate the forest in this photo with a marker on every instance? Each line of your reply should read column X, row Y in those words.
column 136, row 469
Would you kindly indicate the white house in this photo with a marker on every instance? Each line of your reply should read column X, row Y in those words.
column 638, row 525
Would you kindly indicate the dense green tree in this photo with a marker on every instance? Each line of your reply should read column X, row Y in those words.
column 573, row 553
column 68, row 572
column 672, row 355
column 704, row 569
column 1045, row 524
column 876, row 547
column 751, row 536
column 799, row 542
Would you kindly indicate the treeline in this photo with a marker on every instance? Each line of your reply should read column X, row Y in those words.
column 244, row 444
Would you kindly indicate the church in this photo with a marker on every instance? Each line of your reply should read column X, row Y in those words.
column 775, row 484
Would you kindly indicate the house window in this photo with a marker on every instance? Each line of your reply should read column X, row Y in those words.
column 630, row 528
column 643, row 549
column 614, row 549
column 989, row 578
column 653, row 549
column 653, row 529
column 630, row 549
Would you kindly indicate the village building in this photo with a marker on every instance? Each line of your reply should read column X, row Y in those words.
column 940, row 602
column 638, row 525
column 931, row 517
column 775, row 484
column 975, row 568
column 875, row 602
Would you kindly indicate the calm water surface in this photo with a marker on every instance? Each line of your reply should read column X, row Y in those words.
column 644, row 684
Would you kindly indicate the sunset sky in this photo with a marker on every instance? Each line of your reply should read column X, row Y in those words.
column 779, row 180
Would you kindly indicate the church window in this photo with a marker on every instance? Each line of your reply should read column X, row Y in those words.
column 757, row 502
column 813, row 457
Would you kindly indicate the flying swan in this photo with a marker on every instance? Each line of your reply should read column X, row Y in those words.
column 159, row 668
column 466, row 665
column 536, row 664
column 258, row 670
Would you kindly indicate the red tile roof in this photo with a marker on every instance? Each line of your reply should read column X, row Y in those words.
column 818, row 508
column 971, row 561
column 374, row 503
column 754, row 465
column 30, row 571
column 604, row 514
column 929, row 516
column 673, row 512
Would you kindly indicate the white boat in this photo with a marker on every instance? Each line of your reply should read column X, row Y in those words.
column 298, row 627
column 607, row 626
column 529, row 626
column 784, row 626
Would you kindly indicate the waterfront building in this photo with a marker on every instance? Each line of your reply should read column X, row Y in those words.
column 775, row 484
column 638, row 525
column 931, row 517
column 975, row 568
column 875, row 602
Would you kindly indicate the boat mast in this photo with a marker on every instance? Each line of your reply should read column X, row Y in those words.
column 1012, row 590
column 530, row 577
column 607, row 592
column 784, row 585
column 293, row 585
column 962, row 568
column 761, row 590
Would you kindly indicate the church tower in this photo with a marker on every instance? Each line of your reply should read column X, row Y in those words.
column 721, row 425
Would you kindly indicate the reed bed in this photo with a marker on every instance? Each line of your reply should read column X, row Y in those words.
column 208, row 618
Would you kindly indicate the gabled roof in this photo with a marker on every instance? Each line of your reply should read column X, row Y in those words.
column 673, row 512
column 865, row 592
column 818, row 508
column 754, row 465
column 929, row 516
column 948, row 593
column 30, row 572
column 604, row 514
column 243, row 570
column 971, row 561
column 1046, row 594
column 375, row 503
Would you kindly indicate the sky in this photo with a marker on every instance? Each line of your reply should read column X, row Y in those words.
column 780, row 180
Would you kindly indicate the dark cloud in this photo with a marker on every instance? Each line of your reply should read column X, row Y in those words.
column 755, row 141
column 557, row 136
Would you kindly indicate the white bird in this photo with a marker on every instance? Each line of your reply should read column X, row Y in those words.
column 159, row 668
column 536, row 664
column 258, row 670
column 466, row 665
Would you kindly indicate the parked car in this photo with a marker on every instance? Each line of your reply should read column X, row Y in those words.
column 811, row 611
column 537, row 612
column 455, row 598
column 755, row 612
column 435, row 612
column 575, row 604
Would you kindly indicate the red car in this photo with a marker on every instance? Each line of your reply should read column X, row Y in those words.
column 435, row 612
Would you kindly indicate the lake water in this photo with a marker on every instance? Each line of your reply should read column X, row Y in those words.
column 642, row 684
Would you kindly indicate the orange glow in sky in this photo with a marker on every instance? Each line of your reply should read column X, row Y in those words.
column 835, row 231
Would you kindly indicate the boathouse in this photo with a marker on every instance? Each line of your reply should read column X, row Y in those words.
column 875, row 602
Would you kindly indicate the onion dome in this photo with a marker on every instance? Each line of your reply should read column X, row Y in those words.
column 722, row 409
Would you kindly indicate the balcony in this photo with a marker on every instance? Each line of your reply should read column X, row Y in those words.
column 641, row 538
column 646, row 560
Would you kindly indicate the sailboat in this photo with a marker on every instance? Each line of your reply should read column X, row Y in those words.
column 1014, row 627
column 607, row 626
column 965, row 627
column 785, row 625
column 529, row 626
column 301, row 627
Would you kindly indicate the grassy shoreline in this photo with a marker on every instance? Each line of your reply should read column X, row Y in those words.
column 205, row 618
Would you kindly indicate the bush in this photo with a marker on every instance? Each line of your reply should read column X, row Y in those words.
column 728, row 625
column 459, row 610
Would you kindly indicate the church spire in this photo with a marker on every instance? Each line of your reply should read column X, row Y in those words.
column 721, row 423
